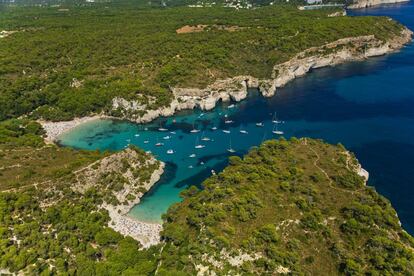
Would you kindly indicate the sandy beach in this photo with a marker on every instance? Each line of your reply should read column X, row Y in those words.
column 54, row 129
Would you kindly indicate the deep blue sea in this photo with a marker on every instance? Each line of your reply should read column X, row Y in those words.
column 367, row 106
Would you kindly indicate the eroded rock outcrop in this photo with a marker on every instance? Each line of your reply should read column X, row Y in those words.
column 236, row 88
column 123, row 178
column 360, row 4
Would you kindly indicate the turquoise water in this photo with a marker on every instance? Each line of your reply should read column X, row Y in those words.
column 368, row 106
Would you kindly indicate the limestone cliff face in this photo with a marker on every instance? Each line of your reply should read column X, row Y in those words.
column 236, row 88
column 360, row 4
column 124, row 176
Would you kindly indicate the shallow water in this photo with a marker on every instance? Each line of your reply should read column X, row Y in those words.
column 368, row 106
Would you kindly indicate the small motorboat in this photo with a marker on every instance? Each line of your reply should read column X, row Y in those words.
column 228, row 121
column 214, row 128
column 170, row 151
column 201, row 163
column 137, row 135
column 243, row 131
column 259, row 124
column 159, row 144
column 226, row 131
column 148, row 151
column 190, row 167
column 146, row 142
column 128, row 140
column 230, row 106
column 194, row 131
column 162, row 129
column 173, row 132
column 166, row 137
column 192, row 155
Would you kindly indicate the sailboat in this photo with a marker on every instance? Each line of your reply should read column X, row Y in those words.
column 226, row 131
column 242, row 131
column 170, row 151
column 197, row 145
column 159, row 144
column 274, row 119
column 259, row 124
column 194, row 130
column 204, row 138
column 276, row 131
column 162, row 129
column 230, row 149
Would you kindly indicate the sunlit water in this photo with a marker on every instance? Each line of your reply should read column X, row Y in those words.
column 368, row 106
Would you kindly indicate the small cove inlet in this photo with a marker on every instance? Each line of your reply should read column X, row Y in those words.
column 356, row 104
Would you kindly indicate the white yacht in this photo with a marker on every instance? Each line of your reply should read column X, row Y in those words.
column 276, row 131
column 230, row 149
column 274, row 119
column 198, row 146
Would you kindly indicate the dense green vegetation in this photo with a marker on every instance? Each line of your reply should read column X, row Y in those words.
column 295, row 206
column 72, row 61
column 47, row 227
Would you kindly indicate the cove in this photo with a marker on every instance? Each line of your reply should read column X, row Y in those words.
column 367, row 106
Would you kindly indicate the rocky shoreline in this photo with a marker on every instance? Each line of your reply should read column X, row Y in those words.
column 361, row 4
column 146, row 233
column 126, row 165
column 236, row 88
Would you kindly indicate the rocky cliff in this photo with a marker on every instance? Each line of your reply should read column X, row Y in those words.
column 359, row 4
column 236, row 88
column 123, row 178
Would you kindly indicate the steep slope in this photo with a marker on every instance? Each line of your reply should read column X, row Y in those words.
column 298, row 206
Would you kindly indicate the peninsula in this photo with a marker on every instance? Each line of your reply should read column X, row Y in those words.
column 295, row 206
